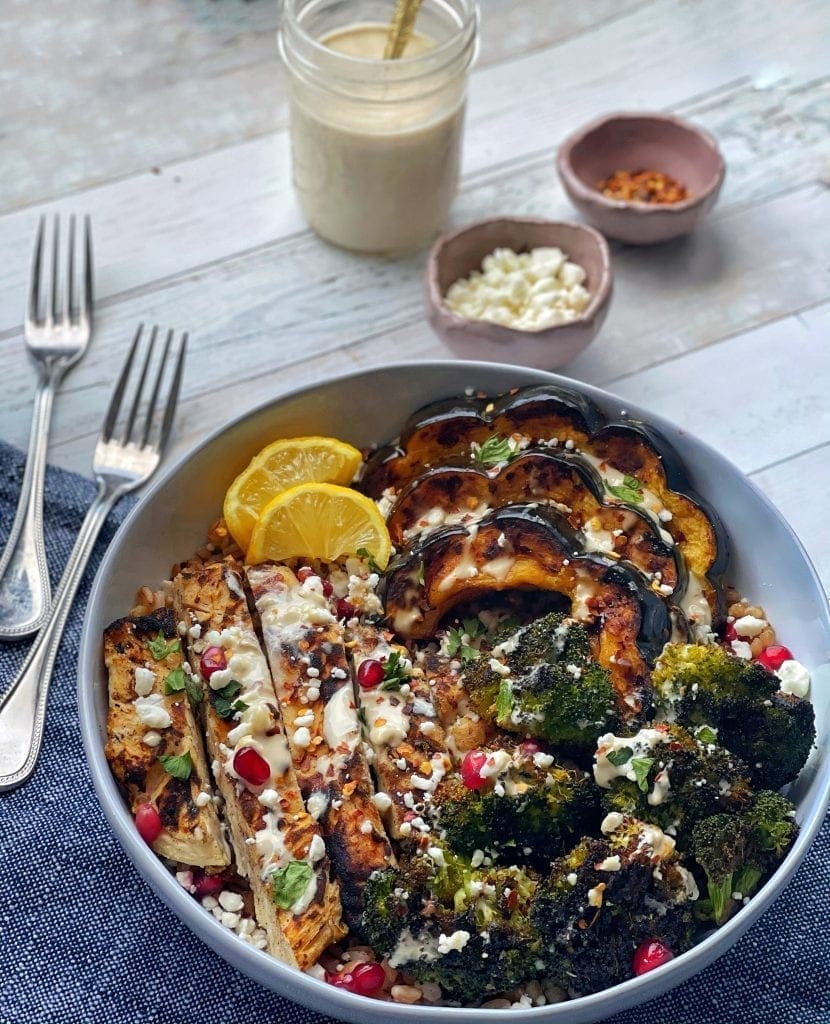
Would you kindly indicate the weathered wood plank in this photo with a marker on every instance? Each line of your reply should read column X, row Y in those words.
column 257, row 318
column 176, row 79
column 157, row 225
column 798, row 487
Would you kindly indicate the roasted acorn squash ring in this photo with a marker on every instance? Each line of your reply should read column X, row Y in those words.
column 546, row 476
column 527, row 547
column 443, row 432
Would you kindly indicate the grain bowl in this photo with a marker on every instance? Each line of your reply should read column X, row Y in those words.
column 766, row 562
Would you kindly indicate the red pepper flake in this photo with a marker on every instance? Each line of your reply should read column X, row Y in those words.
column 643, row 186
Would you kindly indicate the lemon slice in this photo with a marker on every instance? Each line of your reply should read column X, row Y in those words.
column 319, row 521
column 281, row 465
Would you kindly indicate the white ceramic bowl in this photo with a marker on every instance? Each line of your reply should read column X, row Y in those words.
column 768, row 564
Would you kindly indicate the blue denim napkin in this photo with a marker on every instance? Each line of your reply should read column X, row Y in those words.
column 83, row 939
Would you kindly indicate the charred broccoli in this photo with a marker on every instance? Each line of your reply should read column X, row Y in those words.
column 667, row 776
column 528, row 809
column 699, row 684
column 605, row 897
column 441, row 920
column 542, row 682
column 736, row 851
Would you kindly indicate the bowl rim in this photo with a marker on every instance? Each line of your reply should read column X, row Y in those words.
column 312, row 992
column 504, row 334
column 576, row 185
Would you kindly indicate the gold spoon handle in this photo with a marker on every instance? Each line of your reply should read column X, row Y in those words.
column 400, row 31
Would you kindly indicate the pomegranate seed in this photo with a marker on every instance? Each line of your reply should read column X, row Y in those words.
column 368, row 978
column 730, row 633
column 370, row 674
column 774, row 656
column 529, row 748
column 474, row 761
column 305, row 573
column 512, row 899
column 328, row 589
column 650, row 954
column 251, row 766
column 344, row 980
column 213, row 659
column 345, row 609
column 148, row 823
column 208, row 885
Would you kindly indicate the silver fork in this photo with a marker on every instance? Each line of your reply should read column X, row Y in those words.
column 56, row 338
column 123, row 460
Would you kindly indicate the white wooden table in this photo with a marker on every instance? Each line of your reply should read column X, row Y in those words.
column 167, row 123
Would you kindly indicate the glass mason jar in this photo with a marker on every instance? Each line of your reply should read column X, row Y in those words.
column 376, row 144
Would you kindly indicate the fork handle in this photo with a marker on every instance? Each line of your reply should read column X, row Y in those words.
column 24, row 574
column 23, row 705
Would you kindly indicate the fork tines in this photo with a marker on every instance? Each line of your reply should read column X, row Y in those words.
column 47, row 305
column 133, row 402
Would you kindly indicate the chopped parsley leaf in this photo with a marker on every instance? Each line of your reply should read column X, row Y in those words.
column 504, row 701
column 194, row 689
column 619, row 757
column 630, row 490
column 494, row 450
column 174, row 681
column 373, row 565
column 706, row 734
column 289, row 883
column 225, row 709
column 160, row 647
column 642, row 766
column 395, row 673
column 177, row 765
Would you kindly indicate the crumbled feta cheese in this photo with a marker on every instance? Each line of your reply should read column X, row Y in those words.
column 302, row 737
column 145, row 680
column 749, row 626
column 741, row 649
column 151, row 712
column 457, row 941
column 382, row 801
column 527, row 291
column 230, row 901
column 795, row 678
column 151, row 738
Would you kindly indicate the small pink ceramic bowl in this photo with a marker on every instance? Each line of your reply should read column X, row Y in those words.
column 458, row 253
column 637, row 141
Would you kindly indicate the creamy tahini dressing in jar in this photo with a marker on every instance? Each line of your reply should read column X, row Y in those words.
column 376, row 143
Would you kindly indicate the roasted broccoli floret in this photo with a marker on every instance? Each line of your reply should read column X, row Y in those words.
column 703, row 684
column 736, row 851
column 545, row 685
column 527, row 810
column 670, row 777
column 605, row 897
column 441, row 920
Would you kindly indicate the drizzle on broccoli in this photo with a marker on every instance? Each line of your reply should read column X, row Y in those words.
column 549, row 687
column 704, row 685
column 441, row 920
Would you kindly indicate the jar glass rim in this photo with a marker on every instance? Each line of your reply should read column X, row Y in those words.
column 400, row 69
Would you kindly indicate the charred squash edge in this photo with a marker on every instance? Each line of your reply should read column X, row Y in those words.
column 655, row 622
column 571, row 461
column 453, row 417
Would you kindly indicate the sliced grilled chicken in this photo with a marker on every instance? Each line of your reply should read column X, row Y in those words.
column 150, row 717
column 401, row 721
column 278, row 844
column 304, row 642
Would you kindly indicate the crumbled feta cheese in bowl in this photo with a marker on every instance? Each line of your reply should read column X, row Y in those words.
column 530, row 291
